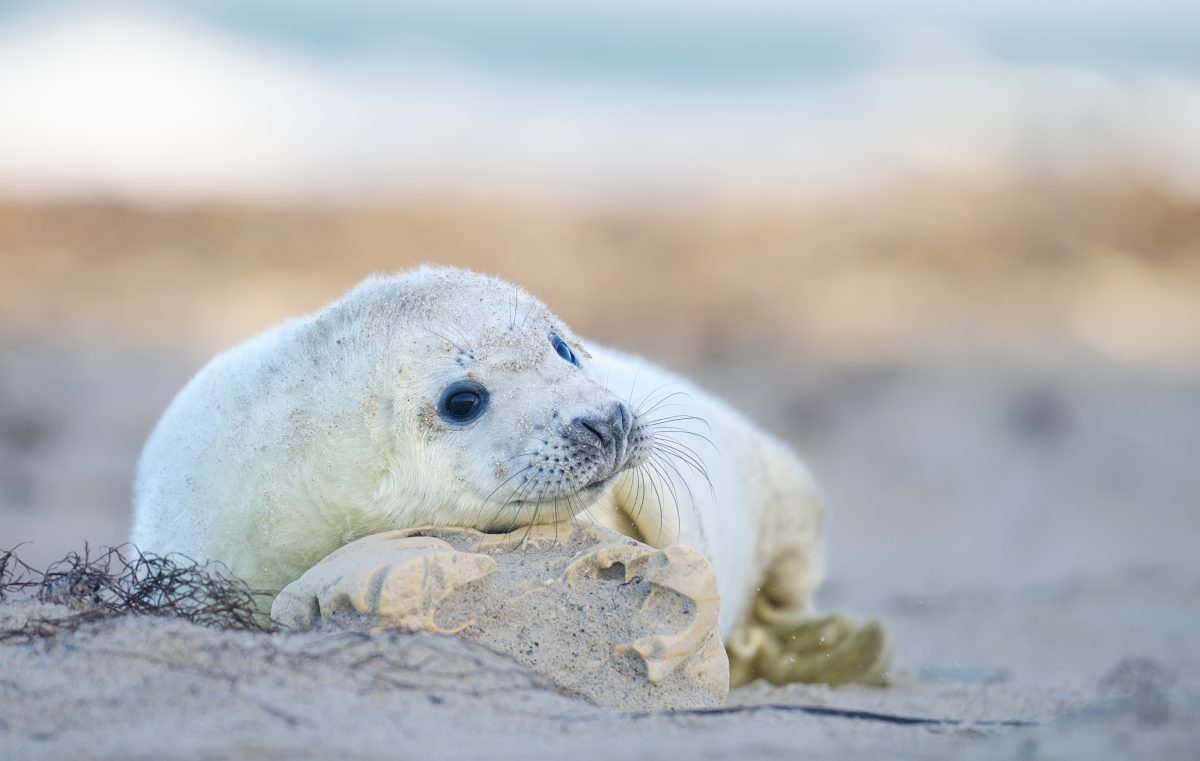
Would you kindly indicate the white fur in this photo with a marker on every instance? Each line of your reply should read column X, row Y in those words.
column 325, row 429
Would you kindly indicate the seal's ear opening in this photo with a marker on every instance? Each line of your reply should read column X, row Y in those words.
column 463, row 402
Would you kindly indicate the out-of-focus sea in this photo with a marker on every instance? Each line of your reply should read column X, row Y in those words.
column 592, row 100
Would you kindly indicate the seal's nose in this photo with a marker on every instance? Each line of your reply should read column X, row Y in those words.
column 606, row 430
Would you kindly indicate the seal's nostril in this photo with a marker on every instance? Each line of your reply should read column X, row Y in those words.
column 598, row 429
column 625, row 416
column 607, row 431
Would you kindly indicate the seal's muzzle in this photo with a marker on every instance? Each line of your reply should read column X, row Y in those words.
column 607, row 433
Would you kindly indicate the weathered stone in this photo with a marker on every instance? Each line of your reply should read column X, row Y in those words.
column 597, row 613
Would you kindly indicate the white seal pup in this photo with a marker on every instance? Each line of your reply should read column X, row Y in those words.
column 444, row 397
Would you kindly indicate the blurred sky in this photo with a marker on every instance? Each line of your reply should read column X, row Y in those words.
column 285, row 101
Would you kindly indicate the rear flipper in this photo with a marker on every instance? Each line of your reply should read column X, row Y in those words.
column 785, row 645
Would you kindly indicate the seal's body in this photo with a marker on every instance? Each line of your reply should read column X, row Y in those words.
column 443, row 397
column 722, row 486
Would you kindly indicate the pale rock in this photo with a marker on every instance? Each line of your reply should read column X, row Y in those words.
column 601, row 615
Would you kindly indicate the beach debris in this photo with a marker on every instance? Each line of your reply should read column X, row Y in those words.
column 123, row 580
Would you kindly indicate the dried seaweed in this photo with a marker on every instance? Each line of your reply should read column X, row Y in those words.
column 125, row 581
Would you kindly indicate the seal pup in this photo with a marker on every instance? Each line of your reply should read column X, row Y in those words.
column 447, row 398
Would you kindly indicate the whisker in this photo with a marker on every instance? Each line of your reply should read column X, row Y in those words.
column 686, row 432
column 688, row 460
column 666, row 442
column 602, row 504
column 678, row 419
column 682, row 449
column 666, row 462
column 462, row 336
column 447, row 340
column 670, row 484
column 517, row 494
column 620, row 504
column 661, row 401
column 540, row 490
column 666, row 401
column 667, row 482
column 556, row 521
column 512, row 323
column 528, row 311
column 532, row 522
column 648, row 403
column 652, row 392
column 523, row 454
column 632, row 389
column 659, row 502
column 641, row 493
column 492, row 493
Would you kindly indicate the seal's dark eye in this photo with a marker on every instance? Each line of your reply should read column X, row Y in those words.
column 463, row 402
column 563, row 350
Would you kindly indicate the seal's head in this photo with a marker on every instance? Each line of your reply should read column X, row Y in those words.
column 479, row 405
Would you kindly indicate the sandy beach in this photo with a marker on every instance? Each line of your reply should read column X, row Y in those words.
column 999, row 386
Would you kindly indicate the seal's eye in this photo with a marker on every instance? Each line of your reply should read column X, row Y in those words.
column 462, row 402
column 563, row 350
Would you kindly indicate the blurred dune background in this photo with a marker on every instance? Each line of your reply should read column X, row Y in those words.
column 951, row 252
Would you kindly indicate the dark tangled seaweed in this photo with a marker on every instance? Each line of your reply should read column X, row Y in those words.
column 123, row 581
